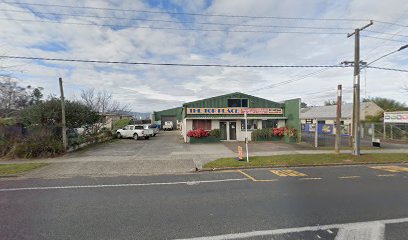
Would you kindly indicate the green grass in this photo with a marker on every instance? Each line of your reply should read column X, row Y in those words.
column 349, row 148
column 12, row 169
column 308, row 159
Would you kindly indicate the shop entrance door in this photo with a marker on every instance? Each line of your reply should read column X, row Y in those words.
column 223, row 129
column 232, row 131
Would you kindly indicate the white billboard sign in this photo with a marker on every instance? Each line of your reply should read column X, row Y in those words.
column 396, row 117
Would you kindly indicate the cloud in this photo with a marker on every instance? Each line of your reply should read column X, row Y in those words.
column 148, row 88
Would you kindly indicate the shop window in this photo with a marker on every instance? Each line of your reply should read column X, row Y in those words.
column 204, row 124
column 237, row 102
column 252, row 124
column 270, row 123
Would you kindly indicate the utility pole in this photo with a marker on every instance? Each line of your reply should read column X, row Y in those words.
column 338, row 117
column 64, row 131
column 356, row 89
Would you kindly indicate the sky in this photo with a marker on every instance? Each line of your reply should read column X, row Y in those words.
column 204, row 32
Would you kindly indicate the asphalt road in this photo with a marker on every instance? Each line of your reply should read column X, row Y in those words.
column 355, row 202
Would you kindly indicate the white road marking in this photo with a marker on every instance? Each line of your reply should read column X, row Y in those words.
column 349, row 177
column 375, row 229
column 121, row 185
column 329, row 231
column 372, row 231
column 310, row 178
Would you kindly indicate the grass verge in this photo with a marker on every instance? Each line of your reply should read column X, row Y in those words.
column 14, row 169
column 308, row 160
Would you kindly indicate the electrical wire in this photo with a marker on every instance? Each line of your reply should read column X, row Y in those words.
column 184, row 13
column 170, row 64
column 173, row 21
column 386, row 39
column 385, row 33
column 170, row 28
column 389, row 69
column 292, row 80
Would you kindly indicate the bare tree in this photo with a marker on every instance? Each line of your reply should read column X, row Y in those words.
column 103, row 103
column 14, row 98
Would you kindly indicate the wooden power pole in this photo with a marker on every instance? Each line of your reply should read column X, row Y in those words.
column 337, row 142
column 356, row 89
column 64, row 128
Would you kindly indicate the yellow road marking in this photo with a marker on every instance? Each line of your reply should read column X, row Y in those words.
column 385, row 175
column 391, row 168
column 256, row 180
column 247, row 175
column 288, row 172
column 310, row 178
column 347, row 177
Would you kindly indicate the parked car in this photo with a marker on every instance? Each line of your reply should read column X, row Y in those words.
column 168, row 125
column 152, row 127
column 134, row 131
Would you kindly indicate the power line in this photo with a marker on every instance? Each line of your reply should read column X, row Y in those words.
column 173, row 21
column 186, row 13
column 391, row 23
column 171, row 64
column 386, row 39
column 292, row 80
column 389, row 69
column 170, row 28
column 385, row 33
column 383, row 56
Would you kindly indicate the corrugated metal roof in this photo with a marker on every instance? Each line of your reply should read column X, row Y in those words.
column 329, row 112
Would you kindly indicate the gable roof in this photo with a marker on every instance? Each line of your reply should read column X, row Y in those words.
column 329, row 112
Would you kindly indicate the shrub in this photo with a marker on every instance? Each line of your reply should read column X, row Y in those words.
column 105, row 133
column 121, row 123
column 215, row 133
column 198, row 133
column 5, row 147
column 265, row 133
column 279, row 131
column 37, row 146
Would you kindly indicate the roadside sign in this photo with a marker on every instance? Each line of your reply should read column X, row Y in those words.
column 396, row 117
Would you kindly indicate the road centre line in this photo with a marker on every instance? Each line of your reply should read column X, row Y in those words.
column 120, row 185
column 310, row 178
column 349, row 177
column 386, row 175
column 357, row 229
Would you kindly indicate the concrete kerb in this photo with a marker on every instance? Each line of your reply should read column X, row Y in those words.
column 297, row 166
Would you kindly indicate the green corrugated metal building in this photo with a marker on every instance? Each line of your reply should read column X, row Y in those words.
column 226, row 112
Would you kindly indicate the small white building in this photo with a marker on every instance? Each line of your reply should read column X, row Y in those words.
column 327, row 114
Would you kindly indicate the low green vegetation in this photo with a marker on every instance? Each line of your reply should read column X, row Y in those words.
column 119, row 124
column 308, row 159
column 13, row 169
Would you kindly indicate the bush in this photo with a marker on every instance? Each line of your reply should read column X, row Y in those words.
column 268, row 133
column 5, row 147
column 280, row 131
column 121, row 123
column 198, row 133
column 215, row 133
column 105, row 133
column 265, row 133
column 37, row 146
